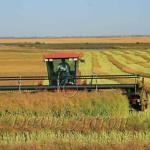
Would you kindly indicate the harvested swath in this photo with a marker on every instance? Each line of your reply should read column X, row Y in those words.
column 106, row 66
column 133, row 64
column 123, row 67
column 118, row 64
column 95, row 64
column 133, row 57
column 146, row 65
column 110, row 68
column 143, row 56
column 86, row 67
column 98, row 69
column 127, row 58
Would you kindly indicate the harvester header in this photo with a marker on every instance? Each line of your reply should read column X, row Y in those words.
column 63, row 74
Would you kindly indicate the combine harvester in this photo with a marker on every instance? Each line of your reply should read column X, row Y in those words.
column 63, row 75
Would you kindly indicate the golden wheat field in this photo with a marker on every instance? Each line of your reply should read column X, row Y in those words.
column 87, row 120
column 79, row 40
column 26, row 61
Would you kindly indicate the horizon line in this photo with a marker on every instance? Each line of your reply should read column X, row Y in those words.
column 103, row 36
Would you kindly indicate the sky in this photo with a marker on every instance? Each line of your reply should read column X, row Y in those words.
column 58, row 18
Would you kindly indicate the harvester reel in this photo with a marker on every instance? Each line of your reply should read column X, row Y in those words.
column 136, row 91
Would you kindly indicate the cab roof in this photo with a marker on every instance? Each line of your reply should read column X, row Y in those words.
column 61, row 55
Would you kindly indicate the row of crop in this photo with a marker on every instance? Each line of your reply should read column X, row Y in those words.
column 134, row 58
column 126, row 61
column 97, row 69
column 128, row 65
column 86, row 66
column 134, row 61
column 110, row 68
column 91, row 66
column 106, row 66
column 132, row 68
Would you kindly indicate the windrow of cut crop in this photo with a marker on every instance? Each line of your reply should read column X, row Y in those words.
column 107, row 66
column 86, row 66
column 95, row 65
column 145, row 64
column 123, row 66
column 132, row 58
column 97, row 70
